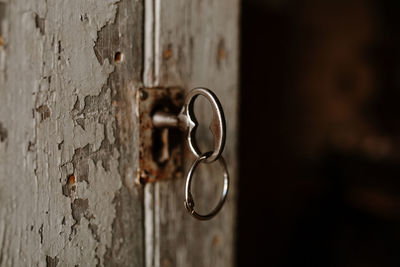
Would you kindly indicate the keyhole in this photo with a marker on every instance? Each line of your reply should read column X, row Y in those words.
column 165, row 139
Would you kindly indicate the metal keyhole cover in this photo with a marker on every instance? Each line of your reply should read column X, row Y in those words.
column 188, row 122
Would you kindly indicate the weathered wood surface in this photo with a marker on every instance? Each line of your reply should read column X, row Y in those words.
column 67, row 133
column 68, row 136
column 191, row 44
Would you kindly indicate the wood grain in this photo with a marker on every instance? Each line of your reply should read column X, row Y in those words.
column 67, row 133
column 191, row 44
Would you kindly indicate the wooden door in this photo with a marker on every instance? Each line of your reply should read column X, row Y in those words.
column 69, row 73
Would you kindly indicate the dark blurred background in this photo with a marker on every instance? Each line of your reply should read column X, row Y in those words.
column 319, row 151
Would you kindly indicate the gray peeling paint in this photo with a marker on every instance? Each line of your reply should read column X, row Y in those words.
column 63, row 127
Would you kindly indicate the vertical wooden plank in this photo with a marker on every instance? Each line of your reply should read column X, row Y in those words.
column 194, row 43
column 68, row 141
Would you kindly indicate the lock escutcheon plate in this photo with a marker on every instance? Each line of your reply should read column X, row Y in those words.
column 161, row 150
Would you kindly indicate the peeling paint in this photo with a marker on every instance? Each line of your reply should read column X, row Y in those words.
column 79, row 208
column 40, row 24
column 3, row 133
column 63, row 69
column 94, row 229
column 80, row 163
column 68, row 145
column 51, row 262
column 31, row 146
column 44, row 112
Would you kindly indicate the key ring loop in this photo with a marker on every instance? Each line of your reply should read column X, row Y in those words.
column 189, row 202
column 188, row 121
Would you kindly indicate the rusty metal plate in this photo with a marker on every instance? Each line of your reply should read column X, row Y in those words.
column 161, row 150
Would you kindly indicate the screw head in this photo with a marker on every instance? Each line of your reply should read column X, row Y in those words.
column 143, row 95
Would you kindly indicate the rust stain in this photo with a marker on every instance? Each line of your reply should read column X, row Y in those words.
column 155, row 163
column 168, row 52
column 1, row 41
column 221, row 52
column 70, row 186
column 166, row 262
column 216, row 240
column 118, row 57
column 71, row 180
